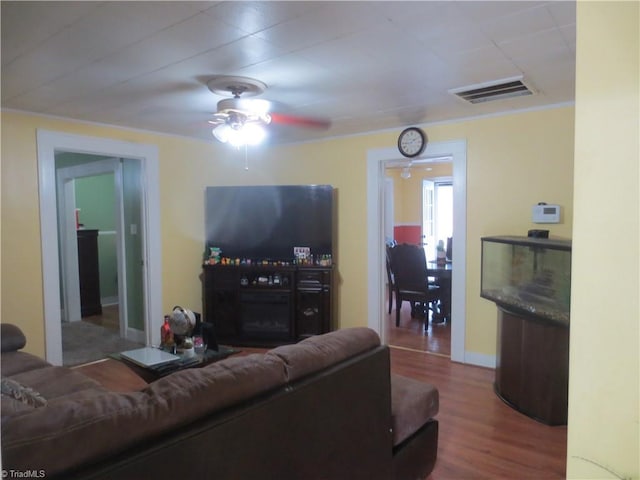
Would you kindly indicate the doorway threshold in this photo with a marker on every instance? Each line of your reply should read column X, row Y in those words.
column 415, row 350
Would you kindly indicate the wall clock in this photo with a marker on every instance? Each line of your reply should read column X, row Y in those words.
column 412, row 141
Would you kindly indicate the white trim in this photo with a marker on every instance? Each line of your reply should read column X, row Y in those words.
column 441, row 180
column 109, row 301
column 48, row 142
column 69, row 249
column 388, row 208
column 480, row 360
column 136, row 335
column 67, row 236
column 376, row 160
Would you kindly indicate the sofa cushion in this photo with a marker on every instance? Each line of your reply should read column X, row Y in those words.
column 53, row 381
column 321, row 351
column 88, row 425
column 10, row 407
column 12, row 338
column 218, row 385
column 17, row 362
column 17, row 391
column 413, row 403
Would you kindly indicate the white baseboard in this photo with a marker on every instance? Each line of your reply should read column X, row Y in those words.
column 108, row 301
column 480, row 359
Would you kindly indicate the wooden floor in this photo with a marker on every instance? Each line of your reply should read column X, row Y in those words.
column 113, row 374
column 480, row 436
column 411, row 333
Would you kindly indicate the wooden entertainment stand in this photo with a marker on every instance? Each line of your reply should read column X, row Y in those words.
column 267, row 305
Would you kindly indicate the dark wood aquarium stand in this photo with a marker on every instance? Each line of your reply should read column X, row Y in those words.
column 532, row 366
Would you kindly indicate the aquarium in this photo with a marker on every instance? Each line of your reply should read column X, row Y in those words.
column 527, row 275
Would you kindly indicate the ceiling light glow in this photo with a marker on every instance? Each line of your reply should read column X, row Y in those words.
column 239, row 135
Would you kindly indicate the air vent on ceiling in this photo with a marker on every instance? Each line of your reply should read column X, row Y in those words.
column 497, row 90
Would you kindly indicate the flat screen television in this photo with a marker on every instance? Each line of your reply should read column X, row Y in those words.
column 267, row 222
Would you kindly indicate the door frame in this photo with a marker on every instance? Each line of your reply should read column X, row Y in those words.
column 69, row 246
column 65, row 181
column 377, row 160
column 50, row 142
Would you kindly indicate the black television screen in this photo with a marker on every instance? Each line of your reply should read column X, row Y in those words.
column 267, row 222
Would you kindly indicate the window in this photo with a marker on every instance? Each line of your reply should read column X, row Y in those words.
column 437, row 213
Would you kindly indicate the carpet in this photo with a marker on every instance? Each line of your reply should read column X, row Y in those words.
column 83, row 342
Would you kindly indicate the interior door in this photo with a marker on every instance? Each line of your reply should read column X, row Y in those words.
column 133, row 242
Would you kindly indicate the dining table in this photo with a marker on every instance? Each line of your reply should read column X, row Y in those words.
column 441, row 273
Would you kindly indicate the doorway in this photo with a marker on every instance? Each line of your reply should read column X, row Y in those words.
column 50, row 143
column 423, row 216
column 377, row 161
column 99, row 218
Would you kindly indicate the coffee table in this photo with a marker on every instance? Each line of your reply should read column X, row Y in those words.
column 152, row 373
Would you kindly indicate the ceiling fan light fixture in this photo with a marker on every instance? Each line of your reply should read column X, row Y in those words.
column 235, row 137
column 221, row 132
column 241, row 121
column 239, row 135
column 253, row 133
column 405, row 173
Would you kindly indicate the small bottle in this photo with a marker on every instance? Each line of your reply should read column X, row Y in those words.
column 166, row 335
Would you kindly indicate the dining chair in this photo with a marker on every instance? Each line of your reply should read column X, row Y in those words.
column 390, row 279
column 409, row 268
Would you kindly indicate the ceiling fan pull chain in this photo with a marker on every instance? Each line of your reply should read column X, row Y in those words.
column 246, row 158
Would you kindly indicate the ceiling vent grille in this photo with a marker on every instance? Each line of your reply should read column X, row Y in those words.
column 498, row 90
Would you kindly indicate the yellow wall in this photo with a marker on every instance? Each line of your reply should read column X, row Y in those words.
column 525, row 158
column 407, row 193
column 604, row 404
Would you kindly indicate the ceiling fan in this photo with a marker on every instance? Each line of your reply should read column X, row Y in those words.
column 240, row 120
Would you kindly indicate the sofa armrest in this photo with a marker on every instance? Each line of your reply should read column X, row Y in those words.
column 12, row 338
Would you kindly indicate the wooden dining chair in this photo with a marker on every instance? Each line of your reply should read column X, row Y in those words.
column 390, row 280
column 409, row 267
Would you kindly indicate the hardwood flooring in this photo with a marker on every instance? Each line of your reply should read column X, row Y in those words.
column 480, row 436
column 113, row 374
column 411, row 333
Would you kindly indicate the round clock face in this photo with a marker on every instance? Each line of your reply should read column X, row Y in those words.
column 412, row 142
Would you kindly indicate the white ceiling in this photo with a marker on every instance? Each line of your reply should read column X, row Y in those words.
column 365, row 65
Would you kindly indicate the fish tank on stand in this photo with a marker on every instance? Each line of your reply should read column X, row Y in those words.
column 529, row 280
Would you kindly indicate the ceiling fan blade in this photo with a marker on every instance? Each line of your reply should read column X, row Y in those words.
column 294, row 120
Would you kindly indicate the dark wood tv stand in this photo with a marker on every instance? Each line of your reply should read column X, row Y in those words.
column 267, row 305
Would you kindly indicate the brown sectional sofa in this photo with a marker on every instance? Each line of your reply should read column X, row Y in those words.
column 325, row 408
